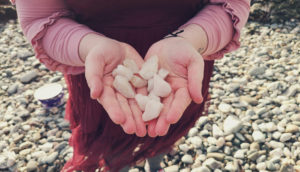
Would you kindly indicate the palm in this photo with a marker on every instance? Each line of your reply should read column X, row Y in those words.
column 186, row 72
column 99, row 66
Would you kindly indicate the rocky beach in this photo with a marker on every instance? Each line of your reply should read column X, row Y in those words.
column 254, row 113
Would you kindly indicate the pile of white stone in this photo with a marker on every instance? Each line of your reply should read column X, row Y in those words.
column 128, row 77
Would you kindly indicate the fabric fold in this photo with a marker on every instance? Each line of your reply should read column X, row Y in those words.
column 235, row 10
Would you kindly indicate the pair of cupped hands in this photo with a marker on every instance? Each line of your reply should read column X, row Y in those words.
column 177, row 55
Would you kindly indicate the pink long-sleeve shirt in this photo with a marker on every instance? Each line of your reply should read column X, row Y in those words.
column 56, row 37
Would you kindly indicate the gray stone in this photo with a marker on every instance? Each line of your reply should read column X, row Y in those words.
column 255, row 71
column 29, row 76
column 212, row 163
column 51, row 158
column 12, row 89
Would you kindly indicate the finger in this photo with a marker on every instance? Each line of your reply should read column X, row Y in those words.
column 109, row 102
column 195, row 78
column 133, row 54
column 180, row 102
column 151, row 128
column 137, row 116
column 129, row 125
column 162, row 125
column 93, row 75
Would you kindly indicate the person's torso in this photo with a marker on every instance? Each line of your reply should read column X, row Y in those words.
column 138, row 22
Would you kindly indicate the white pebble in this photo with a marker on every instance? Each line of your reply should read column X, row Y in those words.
column 138, row 82
column 152, row 96
column 152, row 110
column 130, row 64
column 149, row 68
column 150, row 85
column 141, row 101
column 122, row 85
column 163, row 73
column 123, row 71
column 161, row 88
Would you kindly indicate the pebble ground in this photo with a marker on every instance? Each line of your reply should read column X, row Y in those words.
column 253, row 122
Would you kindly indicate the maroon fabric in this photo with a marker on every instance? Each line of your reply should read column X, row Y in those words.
column 97, row 141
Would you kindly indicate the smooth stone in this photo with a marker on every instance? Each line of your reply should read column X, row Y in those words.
column 161, row 88
column 232, row 125
column 258, row 136
column 224, row 107
column 25, row 145
column 188, row 159
column 46, row 147
column 202, row 121
column 253, row 156
column 122, row 85
column 141, row 101
column 276, row 135
column 163, row 73
column 245, row 145
column 138, row 82
column 193, row 132
column 275, row 144
column 285, row 137
column 261, row 166
column 130, row 64
column 12, row 89
column 240, row 154
column 31, row 165
column 29, row 76
column 291, row 128
column 149, row 68
column 24, row 152
column 196, row 141
column 184, row 147
column 173, row 168
column 201, row 169
column 220, row 142
column 152, row 110
column 231, row 167
column 216, row 155
column 212, row 163
column 123, row 71
column 50, row 158
column 217, row 132
column 255, row 71
column 3, row 124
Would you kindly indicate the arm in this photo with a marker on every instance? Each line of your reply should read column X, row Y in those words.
column 215, row 30
column 64, row 45
column 54, row 35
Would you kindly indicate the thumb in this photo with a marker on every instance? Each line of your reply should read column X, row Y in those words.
column 94, row 74
column 131, row 53
column 195, row 78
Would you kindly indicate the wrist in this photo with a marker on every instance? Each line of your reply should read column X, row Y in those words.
column 87, row 43
column 196, row 36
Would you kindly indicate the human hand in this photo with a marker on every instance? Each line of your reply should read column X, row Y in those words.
column 102, row 55
column 186, row 67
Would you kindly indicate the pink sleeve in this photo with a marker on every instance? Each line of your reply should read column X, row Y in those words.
column 54, row 36
column 222, row 21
